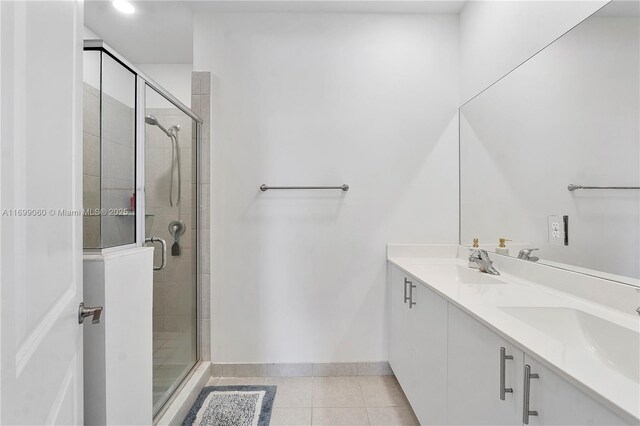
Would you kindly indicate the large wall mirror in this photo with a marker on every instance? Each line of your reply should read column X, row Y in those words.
column 570, row 115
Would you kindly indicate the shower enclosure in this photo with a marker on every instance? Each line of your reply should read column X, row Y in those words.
column 140, row 186
column 170, row 203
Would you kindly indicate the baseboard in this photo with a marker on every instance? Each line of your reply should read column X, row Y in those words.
column 178, row 406
column 333, row 369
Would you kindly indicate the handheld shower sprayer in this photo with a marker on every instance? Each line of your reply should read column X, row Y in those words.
column 172, row 133
column 151, row 120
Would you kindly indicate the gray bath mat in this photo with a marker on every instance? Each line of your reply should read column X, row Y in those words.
column 232, row 406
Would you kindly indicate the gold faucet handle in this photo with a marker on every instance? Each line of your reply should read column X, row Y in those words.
column 502, row 242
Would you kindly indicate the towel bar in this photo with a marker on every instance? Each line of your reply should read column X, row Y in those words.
column 265, row 187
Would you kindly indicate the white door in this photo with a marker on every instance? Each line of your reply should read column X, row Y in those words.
column 40, row 173
column 474, row 374
column 557, row 402
column 399, row 325
column 427, row 389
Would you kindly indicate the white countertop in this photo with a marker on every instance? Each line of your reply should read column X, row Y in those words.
column 593, row 345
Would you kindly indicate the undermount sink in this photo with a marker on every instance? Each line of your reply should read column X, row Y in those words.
column 615, row 345
column 464, row 275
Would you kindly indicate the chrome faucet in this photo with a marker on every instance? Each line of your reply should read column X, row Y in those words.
column 480, row 258
column 525, row 254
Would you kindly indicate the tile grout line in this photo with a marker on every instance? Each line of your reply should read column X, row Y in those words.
column 312, row 386
column 363, row 401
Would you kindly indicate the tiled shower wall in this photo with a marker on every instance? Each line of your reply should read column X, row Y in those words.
column 113, row 162
column 200, row 104
column 91, row 164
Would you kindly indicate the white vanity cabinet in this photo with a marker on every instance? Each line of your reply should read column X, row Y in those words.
column 478, row 368
column 451, row 367
column 418, row 345
column 558, row 402
column 474, row 382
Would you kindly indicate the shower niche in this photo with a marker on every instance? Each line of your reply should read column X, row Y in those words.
column 109, row 152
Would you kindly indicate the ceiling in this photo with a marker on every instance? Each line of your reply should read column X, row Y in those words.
column 331, row 6
column 158, row 32
column 161, row 32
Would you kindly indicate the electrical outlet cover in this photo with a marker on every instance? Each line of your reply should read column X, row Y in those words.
column 555, row 228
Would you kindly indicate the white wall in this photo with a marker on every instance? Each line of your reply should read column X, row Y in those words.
column 89, row 34
column 497, row 36
column 323, row 99
column 176, row 78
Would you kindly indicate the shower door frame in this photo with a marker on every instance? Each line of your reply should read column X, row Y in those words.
column 142, row 81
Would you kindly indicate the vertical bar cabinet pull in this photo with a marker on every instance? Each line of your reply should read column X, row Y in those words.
column 406, row 281
column 503, row 357
column 411, row 302
column 527, row 393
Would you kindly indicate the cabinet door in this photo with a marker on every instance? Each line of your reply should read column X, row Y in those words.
column 560, row 403
column 474, row 369
column 399, row 329
column 427, row 388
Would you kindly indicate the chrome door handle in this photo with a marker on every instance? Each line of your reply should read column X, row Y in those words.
column 94, row 312
column 406, row 281
column 503, row 357
column 527, row 393
column 411, row 302
column 163, row 243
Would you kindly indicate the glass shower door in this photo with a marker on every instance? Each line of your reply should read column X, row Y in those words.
column 170, row 207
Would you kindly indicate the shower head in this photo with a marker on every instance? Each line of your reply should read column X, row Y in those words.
column 151, row 120
column 175, row 155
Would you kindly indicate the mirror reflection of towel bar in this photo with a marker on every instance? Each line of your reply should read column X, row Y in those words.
column 265, row 187
column 573, row 187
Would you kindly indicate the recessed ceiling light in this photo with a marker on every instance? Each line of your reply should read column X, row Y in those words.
column 124, row 6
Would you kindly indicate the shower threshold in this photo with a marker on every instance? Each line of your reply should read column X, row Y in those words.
column 175, row 409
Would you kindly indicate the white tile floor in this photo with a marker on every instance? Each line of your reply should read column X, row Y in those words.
column 348, row 401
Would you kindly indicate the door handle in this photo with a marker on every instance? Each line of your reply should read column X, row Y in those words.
column 163, row 243
column 527, row 393
column 503, row 357
column 406, row 281
column 94, row 312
